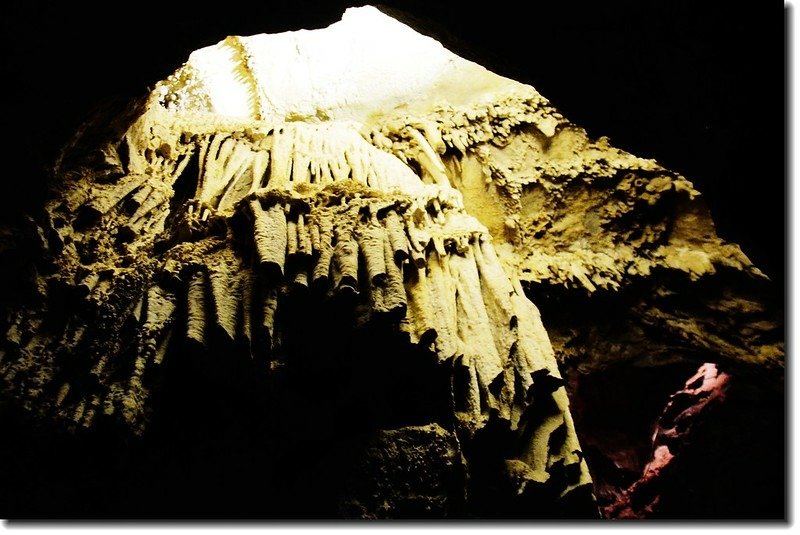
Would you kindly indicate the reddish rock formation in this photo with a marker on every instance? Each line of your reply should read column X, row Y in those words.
column 674, row 429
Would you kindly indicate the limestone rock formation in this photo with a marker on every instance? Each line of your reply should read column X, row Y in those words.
column 313, row 224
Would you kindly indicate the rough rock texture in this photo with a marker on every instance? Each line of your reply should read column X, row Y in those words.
column 689, row 465
column 410, row 472
column 701, row 393
column 342, row 245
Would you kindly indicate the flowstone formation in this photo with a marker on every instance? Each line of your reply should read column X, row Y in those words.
column 322, row 241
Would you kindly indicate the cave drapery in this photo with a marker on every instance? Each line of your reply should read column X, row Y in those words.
column 320, row 254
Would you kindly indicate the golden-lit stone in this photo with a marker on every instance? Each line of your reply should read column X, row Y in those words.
column 363, row 160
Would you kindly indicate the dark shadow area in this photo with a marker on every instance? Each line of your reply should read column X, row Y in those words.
column 231, row 437
column 621, row 371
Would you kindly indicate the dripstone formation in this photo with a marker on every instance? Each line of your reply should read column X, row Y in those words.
column 332, row 251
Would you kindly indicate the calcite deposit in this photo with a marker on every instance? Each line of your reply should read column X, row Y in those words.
column 284, row 201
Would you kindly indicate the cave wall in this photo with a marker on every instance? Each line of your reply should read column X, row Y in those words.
column 583, row 333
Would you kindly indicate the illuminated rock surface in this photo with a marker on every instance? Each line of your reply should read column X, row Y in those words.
column 341, row 236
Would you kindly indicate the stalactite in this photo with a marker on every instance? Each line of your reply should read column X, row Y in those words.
column 443, row 298
column 474, row 325
column 153, row 201
column 213, row 180
column 269, row 306
column 304, row 245
column 224, row 287
column 196, row 308
column 533, row 347
column 394, row 296
column 418, row 258
column 291, row 237
column 316, row 240
column 377, row 299
column 88, row 283
column 140, row 196
column 474, row 412
column 401, row 219
column 281, row 160
column 322, row 267
column 163, row 346
column 108, row 198
column 270, row 233
column 370, row 240
column 238, row 170
column 161, row 305
column 355, row 162
column 395, row 230
column 301, row 279
column 246, row 324
column 260, row 165
column 181, row 167
column 420, row 311
column 301, row 159
column 429, row 160
column 344, row 267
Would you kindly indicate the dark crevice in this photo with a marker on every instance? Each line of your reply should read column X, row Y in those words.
column 184, row 188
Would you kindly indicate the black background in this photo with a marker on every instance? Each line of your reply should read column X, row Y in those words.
column 697, row 85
